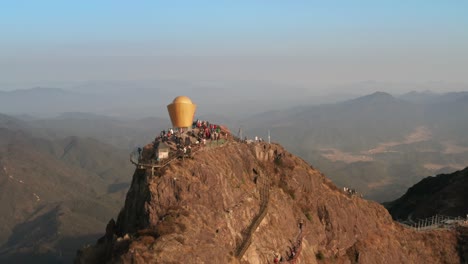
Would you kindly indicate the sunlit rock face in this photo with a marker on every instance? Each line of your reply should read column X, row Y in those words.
column 182, row 111
column 199, row 210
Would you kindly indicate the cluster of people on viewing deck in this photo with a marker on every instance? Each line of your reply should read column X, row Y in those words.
column 180, row 141
column 200, row 130
column 206, row 130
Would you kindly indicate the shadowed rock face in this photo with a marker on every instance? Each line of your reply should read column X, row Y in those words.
column 443, row 194
column 198, row 210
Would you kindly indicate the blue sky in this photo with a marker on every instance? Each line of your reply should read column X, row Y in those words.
column 363, row 35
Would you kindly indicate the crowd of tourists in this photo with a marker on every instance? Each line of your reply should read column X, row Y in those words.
column 181, row 141
column 207, row 130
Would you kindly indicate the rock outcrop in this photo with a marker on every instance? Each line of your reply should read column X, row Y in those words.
column 200, row 210
column 443, row 194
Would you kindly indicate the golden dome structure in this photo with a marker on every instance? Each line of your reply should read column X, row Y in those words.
column 182, row 112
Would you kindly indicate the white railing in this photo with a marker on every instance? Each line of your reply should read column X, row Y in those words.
column 435, row 222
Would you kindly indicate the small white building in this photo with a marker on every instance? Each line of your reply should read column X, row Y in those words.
column 162, row 151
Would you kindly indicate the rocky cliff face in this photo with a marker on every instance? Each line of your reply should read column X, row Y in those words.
column 443, row 194
column 202, row 210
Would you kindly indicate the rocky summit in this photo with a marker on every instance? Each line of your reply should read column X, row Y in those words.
column 253, row 202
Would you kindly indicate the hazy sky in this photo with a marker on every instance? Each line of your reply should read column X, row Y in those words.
column 306, row 43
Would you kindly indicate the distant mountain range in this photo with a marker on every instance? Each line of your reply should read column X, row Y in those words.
column 143, row 99
column 431, row 97
column 119, row 132
column 379, row 144
column 55, row 194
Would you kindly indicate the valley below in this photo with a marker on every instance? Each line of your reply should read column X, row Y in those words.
column 418, row 150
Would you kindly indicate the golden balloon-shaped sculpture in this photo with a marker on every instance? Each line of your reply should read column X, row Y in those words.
column 181, row 111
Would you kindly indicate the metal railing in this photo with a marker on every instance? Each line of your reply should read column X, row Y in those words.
column 153, row 164
column 298, row 247
column 435, row 222
column 264, row 201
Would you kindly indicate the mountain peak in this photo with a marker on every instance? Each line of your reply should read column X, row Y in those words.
column 425, row 92
column 247, row 202
column 374, row 98
column 40, row 90
column 379, row 95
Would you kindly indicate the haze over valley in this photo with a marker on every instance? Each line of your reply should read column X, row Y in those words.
column 379, row 143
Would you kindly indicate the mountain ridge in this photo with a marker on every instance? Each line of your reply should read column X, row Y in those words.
column 443, row 194
column 202, row 207
column 55, row 202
